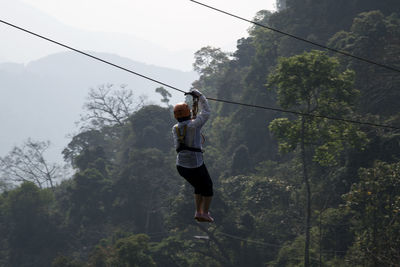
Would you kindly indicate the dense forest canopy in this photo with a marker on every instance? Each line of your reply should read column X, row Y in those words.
column 289, row 190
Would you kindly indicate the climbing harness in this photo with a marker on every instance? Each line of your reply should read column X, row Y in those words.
column 181, row 140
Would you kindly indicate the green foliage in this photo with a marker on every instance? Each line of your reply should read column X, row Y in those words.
column 165, row 94
column 63, row 261
column 89, row 197
column 156, row 134
column 377, row 38
column 287, row 132
column 142, row 189
column 334, row 233
column 312, row 84
column 208, row 60
column 259, row 208
column 171, row 251
column 291, row 254
column 33, row 231
column 311, row 81
column 375, row 203
column 241, row 160
column 128, row 250
column 87, row 146
column 131, row 251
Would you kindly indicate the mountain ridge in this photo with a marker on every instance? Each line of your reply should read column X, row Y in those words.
column 43, row 99
column 29, row 17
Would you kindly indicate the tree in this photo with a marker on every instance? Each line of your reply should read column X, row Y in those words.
column 34, row 233
column 240, row 160
column 106, row 106
column 210, row 63
column 208, row 60
column 28, row 163
column 133, row 251
column 90, row 198
column 248, row 125
column 151, row 127
column 141, row 192
column 262, row 17
column 165, row 94
column 62, row 261
column 85, row 143
column 122, row 249
column 376, row 37
column 374, row 203
column 311, row 83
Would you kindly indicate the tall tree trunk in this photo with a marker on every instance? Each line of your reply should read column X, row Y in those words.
column 308, row 197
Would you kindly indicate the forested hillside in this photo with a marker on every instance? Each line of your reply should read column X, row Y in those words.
column 290, row 190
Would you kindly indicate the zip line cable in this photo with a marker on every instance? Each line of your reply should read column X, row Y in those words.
column 90, row 55
column 306, row 114
column 250, row 240
column 182, row 91
column 299, row 38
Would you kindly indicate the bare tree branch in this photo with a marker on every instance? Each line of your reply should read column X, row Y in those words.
column 107, row 106
column 27, row 163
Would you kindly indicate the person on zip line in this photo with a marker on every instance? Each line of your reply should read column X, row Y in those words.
column 189, row 161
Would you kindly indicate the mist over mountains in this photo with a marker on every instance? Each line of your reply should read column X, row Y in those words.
column 44, row 98
column 14, row 48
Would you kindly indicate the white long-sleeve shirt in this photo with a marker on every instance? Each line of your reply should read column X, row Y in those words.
column 186, row 158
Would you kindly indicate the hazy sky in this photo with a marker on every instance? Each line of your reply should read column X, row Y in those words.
column 174, row 24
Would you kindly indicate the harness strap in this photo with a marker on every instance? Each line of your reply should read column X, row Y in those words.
column 182, row 147
column 181, row 138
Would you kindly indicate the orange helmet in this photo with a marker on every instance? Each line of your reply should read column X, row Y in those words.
column 181, row 110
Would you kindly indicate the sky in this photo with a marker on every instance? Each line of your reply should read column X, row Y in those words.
column 173, row 24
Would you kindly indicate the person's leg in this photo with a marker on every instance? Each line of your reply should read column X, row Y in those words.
column 198, row 199
column 206, row 190
column 203, row 191
column 188, row 174
column 206, row 203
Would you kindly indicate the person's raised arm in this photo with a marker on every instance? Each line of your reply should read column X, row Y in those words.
column 204, row 109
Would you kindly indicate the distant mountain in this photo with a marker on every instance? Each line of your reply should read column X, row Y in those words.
column 13, row 46
column 43, row 99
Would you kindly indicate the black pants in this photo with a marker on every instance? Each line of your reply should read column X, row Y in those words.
column 199, row 179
